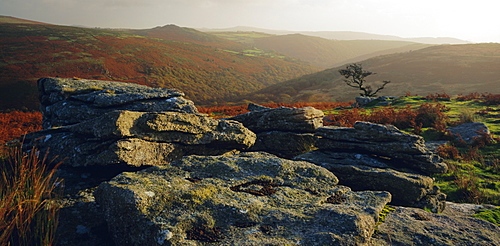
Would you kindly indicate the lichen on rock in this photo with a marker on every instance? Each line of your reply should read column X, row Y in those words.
column 244, row 199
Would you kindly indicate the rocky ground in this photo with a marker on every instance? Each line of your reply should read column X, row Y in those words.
column 164, row 174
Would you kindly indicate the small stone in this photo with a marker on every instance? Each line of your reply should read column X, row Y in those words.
column 81, row 229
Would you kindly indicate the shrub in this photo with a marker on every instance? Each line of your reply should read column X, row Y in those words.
column 427, row 115
column 468, row 188
column 28, row 212
column 438, row 96
column 432, row 115
column 448, row 152
column 469, row 97
column 346, row 118
column 492, row 99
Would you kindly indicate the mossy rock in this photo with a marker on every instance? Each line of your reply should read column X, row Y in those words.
column 245, row 199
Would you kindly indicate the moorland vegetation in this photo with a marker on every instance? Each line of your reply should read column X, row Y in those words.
column 230, row 67
column 206, row 74
column 213, row 70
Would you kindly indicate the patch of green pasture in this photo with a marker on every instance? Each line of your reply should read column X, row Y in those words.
column 491, row 215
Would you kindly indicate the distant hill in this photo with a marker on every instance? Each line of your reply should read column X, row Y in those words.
column 320, row 52
column 329, row 53
column 342, row 35
column 30, row 50
column 188, row 35
column 454, row 69
column 14, row 20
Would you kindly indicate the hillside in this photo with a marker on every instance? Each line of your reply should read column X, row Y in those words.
column 188, row 35
column 328, row 53
column 206, row 74
column 14, row 20
column 342, row 35
column 453, row 69
column 318, row 51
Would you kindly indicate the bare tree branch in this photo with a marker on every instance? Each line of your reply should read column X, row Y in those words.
column 355, row 77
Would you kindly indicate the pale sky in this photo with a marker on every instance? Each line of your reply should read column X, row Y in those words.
column 475, row 21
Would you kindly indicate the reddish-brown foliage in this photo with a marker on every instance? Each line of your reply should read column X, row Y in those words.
column 401, row 118
column 205, row 74
column 437, row 96
column 15, row 124
column 491, row 99
column 224, row 111
column 427, row 115
column 468, row 188
column 469, row 97
column 432, row 115
column 448, row 152
column 228, row 111
column 486, row 98
column 346, row 118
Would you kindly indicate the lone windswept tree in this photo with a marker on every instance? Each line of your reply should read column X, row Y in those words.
column 355, row 77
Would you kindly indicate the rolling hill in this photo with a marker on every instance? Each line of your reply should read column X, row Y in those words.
column 30, row 50
column 318, row 51
column 188, row 35
column 454, row 69
column 330, row 53
column 341, row 35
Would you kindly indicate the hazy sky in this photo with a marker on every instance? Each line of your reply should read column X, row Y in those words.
column 476, row 21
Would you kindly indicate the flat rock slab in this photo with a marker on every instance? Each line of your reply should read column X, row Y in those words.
column 364, row 172
column 67, row 101
column 400, row 150
column 140, row 138
column 303, row 120
column 412, row 226
column 284, row 144
column 245, row 199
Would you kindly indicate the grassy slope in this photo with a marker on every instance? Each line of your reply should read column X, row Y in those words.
column 454, row 69
column 205, row 74
column 476, row 180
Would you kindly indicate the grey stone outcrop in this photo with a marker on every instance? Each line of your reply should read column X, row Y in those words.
column 286, row 132
column 412, row 226
column 471, row 132
column 398, row 148
column 141, row 138
column 202, row 191
column 66, row 101
column 244, row 199
column 306, row 119
column 379, row 101
column 372, row 155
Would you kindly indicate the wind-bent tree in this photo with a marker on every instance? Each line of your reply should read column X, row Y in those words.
column 355, row 77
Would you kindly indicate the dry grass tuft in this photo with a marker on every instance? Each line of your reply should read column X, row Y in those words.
column 28, row 189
